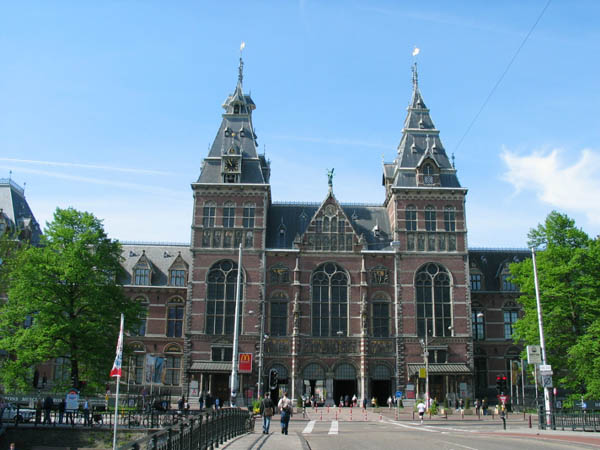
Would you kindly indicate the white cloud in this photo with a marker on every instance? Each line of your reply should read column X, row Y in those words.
column 568, row 186
column 86, row 166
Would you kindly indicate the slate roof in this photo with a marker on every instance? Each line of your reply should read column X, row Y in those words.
column 420, row 140
column 16, row 210
column 237, row 132
column 296, row 217
column 490, row 263
column 160, row 256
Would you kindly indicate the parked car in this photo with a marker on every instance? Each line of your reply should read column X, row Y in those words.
column 12, row 414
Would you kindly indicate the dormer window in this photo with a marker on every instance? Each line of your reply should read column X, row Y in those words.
column 428, row 173
column 236, row 109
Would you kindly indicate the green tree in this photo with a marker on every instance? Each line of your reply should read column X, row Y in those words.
column 568, row 266
column 67, row 293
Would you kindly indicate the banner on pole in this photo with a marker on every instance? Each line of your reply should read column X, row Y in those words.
column 116, row 369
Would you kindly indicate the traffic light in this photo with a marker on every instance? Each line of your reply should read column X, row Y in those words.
column 273, row 379
column 498, row 384
column 504, row 382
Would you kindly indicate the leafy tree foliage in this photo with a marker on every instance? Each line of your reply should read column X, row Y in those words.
column 64, row 301
column 568, row 272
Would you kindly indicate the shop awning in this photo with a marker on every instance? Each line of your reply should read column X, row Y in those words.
column 211, row 366
column 441, row 369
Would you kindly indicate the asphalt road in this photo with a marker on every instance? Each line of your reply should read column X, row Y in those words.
column 387, row 434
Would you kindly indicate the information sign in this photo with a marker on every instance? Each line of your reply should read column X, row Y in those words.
column 503, row 398
column 398, row 394
column 245, row 365
column 547, row 381
column 534, row 354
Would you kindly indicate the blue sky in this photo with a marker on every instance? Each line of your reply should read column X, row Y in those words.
column 110, row 106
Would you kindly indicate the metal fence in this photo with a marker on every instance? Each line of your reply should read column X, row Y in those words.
column 570, row 420
column 207, row 431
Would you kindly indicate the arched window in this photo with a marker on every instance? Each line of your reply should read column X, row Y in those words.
column 381, row 372
column 220, row 301
column 278, row 314
column 434, row 304
column 208, row 219
column 411, row 218
column 511, row 315
column 329, row 300
column 228, row 215
column 345, row 371
column 313, row 372
column 449, row 218
column 430, row 219
column 175, row 317
column 172, row 365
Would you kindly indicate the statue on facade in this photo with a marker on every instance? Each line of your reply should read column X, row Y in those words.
column 330, row 177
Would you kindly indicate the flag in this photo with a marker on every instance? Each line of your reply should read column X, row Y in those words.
column 416, row 51
column 116, row 369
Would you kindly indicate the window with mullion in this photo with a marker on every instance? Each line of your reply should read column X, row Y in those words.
column 228, row 215
column 279, row 317
column 381, row 319
column 175, row 321
column 329, row 301
column 177, row 277
column 220, row 301
column 430, row 219
column 209, row 212
column 141, row 277
column 138, row 368
column 248, row 217
column 411, row 218
column 477, row 319
column 172, row 370
column 510, row 317
column 434, row 303
column 449, row 219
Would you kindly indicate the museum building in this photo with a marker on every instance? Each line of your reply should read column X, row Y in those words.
column 339, row 298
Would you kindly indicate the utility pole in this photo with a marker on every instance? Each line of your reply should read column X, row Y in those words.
column 261, row 348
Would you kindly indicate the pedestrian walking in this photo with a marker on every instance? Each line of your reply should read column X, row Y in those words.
column 421, row 408
column 285, row 408
column 38, row 411
column 217, row 403
column 181, row 404
column 86, row 413
column 267, row 409
column 484, row 406
column 354, row 400
column 461, row 404
column 61, row 410
column 364, row 402
column 477, row 406
column 389, row 402
column 48, row 405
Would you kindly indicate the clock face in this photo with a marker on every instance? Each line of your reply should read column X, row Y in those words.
column 231, row 165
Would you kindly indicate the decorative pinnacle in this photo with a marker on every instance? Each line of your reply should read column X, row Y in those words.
column 415, row 76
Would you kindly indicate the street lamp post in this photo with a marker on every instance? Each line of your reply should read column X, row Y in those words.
column 396, row 246
column 235, row 358
column 425, row 344
column 547, row 403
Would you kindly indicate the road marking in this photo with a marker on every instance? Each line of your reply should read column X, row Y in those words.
column 334, row 427
column 422, row 428
column 309, row 427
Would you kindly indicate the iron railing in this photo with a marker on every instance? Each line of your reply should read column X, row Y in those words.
column 206, row 431
column 570, row 420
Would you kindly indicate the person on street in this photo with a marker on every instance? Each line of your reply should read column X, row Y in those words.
column 285, row 408
column 354, row 400
column 484, row 406
column 48, row 405
column 267, row 409
column 364, row 402
column 86, row 413
column 181, row 404
column 389, row 402
column 61, row 410
column 421, row 408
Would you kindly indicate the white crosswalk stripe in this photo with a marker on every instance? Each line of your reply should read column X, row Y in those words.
column 334, row 427
column 309, row 427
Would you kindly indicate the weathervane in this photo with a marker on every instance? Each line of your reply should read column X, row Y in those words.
column 415, row 78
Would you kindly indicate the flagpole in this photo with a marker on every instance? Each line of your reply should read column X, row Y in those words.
column 117, row 371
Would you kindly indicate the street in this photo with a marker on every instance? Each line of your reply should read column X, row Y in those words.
column 325, row 429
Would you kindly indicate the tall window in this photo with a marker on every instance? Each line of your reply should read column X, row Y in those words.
column 329, row 300
column 411, row 218
column 510, row 317
column 481, row 383
column 449, row 219
column 475, row 281
column 428, row 174
column 141, row 330
column 141, row 276
column 433, row 301
column 222, row 354
column 248, row 219
column 220, row 304
column 208, row 219
column 430, row 224
column 228, row 215
column 381, row 319
column 279, row 316
column 137, row 369
column 478, row 324
column 172, row 366
column 177, row 277
column 175, row 318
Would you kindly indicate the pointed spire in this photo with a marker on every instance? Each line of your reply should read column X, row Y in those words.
column 241, row 72
column 415, row 77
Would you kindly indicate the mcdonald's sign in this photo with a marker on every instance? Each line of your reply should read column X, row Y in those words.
column 245, row 361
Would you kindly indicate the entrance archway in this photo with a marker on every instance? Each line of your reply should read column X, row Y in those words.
column 313, row 382
column 381, row 383
column 344, row 382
